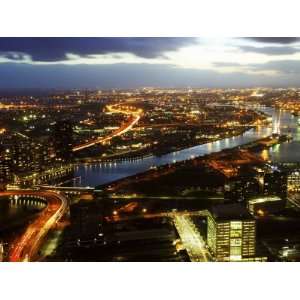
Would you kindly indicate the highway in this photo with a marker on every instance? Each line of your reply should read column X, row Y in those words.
column 191, row 238
column 26, row 246
column 135, row 117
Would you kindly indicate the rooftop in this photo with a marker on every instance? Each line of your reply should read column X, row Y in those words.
column 230, row 212
column 264, row 199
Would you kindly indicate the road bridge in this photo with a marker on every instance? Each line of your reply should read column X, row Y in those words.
column 67, row 190
column 26, row 246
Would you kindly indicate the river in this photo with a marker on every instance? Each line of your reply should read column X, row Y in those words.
column 15, row 213
column 283, row 123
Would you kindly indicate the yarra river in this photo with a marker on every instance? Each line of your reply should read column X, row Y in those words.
column 283, row 123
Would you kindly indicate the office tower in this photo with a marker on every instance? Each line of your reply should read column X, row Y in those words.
column 231, row 233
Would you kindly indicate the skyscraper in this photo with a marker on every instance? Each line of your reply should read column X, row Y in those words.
column 63, row 140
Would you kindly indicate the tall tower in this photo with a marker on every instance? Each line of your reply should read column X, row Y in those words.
column 277, row 122
column 63, row 140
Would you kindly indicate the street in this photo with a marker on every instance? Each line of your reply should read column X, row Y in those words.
column 294, row 199
column 191, row 238
column 136, row 115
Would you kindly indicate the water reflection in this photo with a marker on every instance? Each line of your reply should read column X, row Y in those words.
column 265, row 155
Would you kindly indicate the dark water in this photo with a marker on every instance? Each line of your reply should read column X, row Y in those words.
column 16, row 210
column 283, row 122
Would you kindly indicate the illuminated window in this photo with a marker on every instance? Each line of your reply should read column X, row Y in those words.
column 235, row 242
column 235, row 225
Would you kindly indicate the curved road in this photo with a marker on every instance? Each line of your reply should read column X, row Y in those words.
column 136, row 115
column 27, row 245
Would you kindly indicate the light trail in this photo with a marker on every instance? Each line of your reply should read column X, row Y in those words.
column 26, row 246
column 136, row 115
column 191, row 238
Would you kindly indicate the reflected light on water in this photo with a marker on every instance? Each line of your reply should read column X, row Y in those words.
column 265, row 155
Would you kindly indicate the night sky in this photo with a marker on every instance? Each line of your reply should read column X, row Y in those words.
column 160, row 62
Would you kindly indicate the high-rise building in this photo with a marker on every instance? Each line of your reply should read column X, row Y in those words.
column 63, row 140
column 5, row 167
column 231, row 233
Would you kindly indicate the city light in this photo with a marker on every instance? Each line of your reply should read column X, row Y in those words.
column 166, row 172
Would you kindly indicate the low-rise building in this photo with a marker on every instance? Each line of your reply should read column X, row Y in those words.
column 266, row 205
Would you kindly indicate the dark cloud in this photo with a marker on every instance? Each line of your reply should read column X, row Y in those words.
column 285, row 50
column 275, row 40
column 280, row 66
column 55, row 49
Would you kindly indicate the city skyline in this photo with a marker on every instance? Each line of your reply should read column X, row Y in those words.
column 93, row 169
column 105, row 63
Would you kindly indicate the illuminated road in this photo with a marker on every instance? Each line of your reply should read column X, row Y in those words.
column 294, row 199
column 133, row 196
column 27, row 245
column 135, row 117
column 117, row 217
column 191, row 238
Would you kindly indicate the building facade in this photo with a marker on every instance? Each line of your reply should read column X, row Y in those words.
column 293, row 181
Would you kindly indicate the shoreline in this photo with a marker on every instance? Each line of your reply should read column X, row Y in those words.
column 161, row 153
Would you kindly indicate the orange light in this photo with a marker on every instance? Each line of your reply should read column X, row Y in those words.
column 260, row 212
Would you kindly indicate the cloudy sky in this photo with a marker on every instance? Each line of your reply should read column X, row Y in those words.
column 136, row 62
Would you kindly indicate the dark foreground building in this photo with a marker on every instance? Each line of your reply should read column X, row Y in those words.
column 63, row 140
